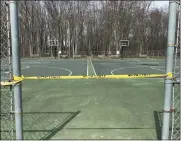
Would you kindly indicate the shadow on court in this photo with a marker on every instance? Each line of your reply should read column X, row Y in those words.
column 158, row 123
column 158, row 116
column 145, row 64
column 44, row 125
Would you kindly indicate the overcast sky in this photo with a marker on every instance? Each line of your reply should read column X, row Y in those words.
column 159, row 4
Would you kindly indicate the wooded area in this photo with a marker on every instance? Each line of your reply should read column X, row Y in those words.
column 92, row 27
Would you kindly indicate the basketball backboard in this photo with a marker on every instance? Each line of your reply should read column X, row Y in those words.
column 124, row 43
column 53, row 42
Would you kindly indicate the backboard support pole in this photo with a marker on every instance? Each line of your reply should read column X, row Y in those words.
column 124, row 43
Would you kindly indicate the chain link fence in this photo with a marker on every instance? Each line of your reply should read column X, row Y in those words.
column 175, row 134
column 6, row 97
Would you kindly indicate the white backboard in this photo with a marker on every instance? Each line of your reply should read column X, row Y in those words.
column 124, row 43
column 53, row 42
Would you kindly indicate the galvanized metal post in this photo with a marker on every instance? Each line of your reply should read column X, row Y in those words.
column 169, row 68
column 16, row 68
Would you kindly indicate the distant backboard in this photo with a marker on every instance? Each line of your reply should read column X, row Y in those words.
column 124, row 43
column 53, row 42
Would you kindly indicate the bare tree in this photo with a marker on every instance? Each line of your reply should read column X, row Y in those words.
column 92, row 27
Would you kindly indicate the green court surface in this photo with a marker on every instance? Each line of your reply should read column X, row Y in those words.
column 92, row 108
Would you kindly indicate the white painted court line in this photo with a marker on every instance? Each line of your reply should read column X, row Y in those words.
column 126, row 68
column 26, row 67
column 57, row 68
column 154, row 68
column 132, row 64
column 127, row 60
column 52, row 60
column 87, row 67
column 34, row 62
column 93, row 68
column 135, row 67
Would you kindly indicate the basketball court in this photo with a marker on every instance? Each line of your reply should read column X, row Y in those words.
column 92, row 108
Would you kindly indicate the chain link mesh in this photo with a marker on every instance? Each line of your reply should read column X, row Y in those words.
column 7, row 120
column 175, row 134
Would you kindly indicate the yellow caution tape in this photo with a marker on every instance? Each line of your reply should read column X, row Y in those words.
column 9, row 83
column 17, row 79
column 94, row 76
column 169, row 75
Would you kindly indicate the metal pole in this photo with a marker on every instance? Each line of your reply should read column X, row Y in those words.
column 16, row 68
column 169, row 68
column 51, row 51
column 122, row 52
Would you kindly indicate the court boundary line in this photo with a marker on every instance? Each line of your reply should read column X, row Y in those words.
column 34, row 62
column 57, row 68
column 154, row 68
column 93, row 68
column 27, row 67
column 135, row 67
column 87, row 68
column 132, row 64
column 121, row 69
column 136, row 64
column 126, row 68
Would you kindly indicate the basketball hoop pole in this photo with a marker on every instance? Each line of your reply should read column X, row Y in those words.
column 121, row 51
column 51, row 51
column 124, row 43
column 55, row 51
column 53, row 45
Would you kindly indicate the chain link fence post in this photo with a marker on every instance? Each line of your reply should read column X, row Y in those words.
column 169, row 68
column 14, row 19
